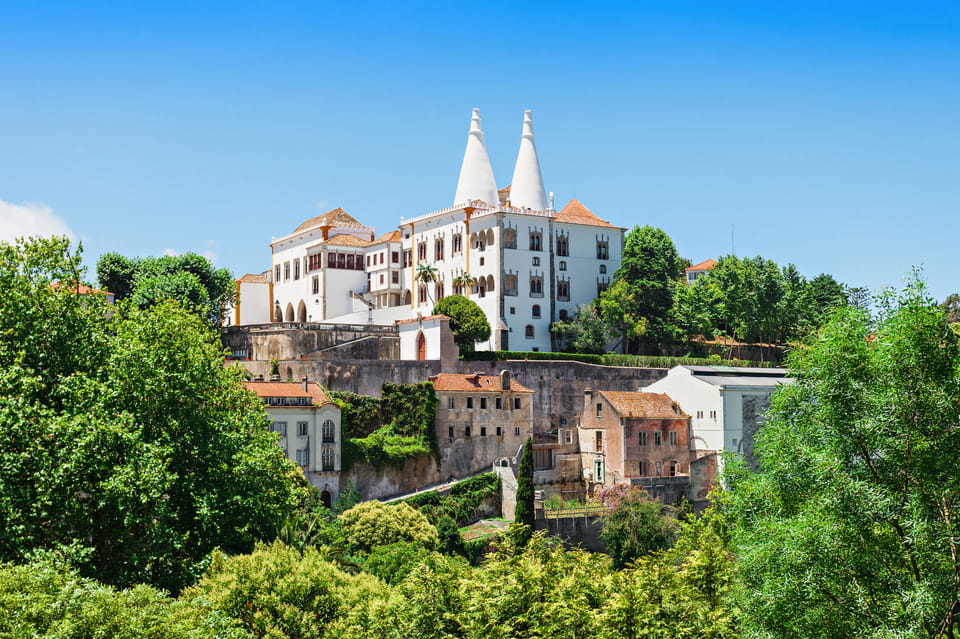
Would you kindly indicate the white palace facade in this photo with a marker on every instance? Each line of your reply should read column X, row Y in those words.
column 523, row 262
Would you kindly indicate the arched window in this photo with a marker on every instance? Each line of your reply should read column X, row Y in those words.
column 489, row 283
column 489, row 237
column 563, row 246
column 421, row 347
column 536, row 311
column 536, row 241
column 327, row 430
column 289, row 314
column 528, row 331
column 564, row 315
column 536, row 286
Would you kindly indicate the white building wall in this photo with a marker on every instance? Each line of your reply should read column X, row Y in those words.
column 314, row 416
column 703, row 402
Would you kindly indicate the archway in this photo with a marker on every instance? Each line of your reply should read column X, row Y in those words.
column 301, row 312
column 327, row 499
column 277, row 314
column 421, row 347
column 407, row 297
column 289, row 313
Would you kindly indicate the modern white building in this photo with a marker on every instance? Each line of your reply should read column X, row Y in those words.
column 523, row 262
column 726, row 404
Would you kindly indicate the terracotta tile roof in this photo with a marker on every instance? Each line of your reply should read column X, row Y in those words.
column 80, row 289
column 289, row 389
column 703, row 266
column 576, row 213
column 344, row 239
column 251, row 278
column 458, row 382
column 415, row 319
column 392, row 236
column 652, row 405
column 336, row 217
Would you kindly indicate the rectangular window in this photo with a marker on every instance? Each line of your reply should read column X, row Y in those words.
column 643, row 468
column 466, row 431
column 516, row 403
column 276, row 273
column 536, row 287
column 563, row 265
column 406, row 258
column 673, row 438
column 699, row 414
column 658, row 438
column 469, row 402
column 563, row 290
column 279, row 427
column 450, row 432
column 286, row 271
column 395, row 277
column 498, row 403
column 499, row 431
column 451, row 403
column 303, row 457
column 599, row 441
column 483, row 431
column 516, row 431
column 603, row 251
column 713, row 414
column 643, row 438
column 599, row 410
column 483, row 403
column 394, row 257
column 536, row 242
column 296, row 270
column 301, row 429
column 316, row 285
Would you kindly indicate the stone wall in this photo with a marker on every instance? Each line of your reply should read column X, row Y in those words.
column 317, row 341
column 574, row 531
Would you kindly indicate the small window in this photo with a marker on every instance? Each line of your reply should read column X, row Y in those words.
column 450, row 432
column 516, row 431
column 699, row 414
column 673, row 438
column 286, row 271
column 643, row 438
column 528, row 331
column 513, row 310
column 303, row 457
column 483, row 403
column 451, row 403
column 394, row 257
column 713, row 414
column 516, row 403
column 483, row 431
column 673, row 469
column 536, row 286
column 536, row 261
column 498, row 403
column 536, row 241
column 603, row 251
column 466, row 431
column 568, row 437
column 276, row 273
column 563, row 247
column 603, row 269
column 563, row 290
column 301, row 429
column 535, row 312
column 564, row 315
column 658, row 438
column 510, row 238
column 599, row 410
column 499, row 431
column 599, row 441
column 316, row 285
column 279, row 427
column 469, row 402
column 644, row 467
column 563, row 265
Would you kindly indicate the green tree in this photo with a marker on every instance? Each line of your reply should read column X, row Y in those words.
column 189, row 278
column 643, row 288
column 372, row 524
column 585, row 332
column 524, row 513
column 45, row 600
column 278, row 592
column 126, row 440
column 467, row 321
column 951, row 306
column 849, row 527
column 636, row 525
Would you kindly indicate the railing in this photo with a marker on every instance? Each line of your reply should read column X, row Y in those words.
column 314, row 326
column 592, row 510
column 482, row 208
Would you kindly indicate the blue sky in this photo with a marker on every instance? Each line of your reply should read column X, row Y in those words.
column 822, row 133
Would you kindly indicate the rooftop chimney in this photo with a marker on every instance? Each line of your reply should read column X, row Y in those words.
column 306, row 385
column 505, row 380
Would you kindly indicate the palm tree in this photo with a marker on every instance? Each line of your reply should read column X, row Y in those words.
column 426, row 274
column 465, row 281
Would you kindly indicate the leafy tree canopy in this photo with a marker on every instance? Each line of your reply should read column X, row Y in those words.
column 373, row 523
column 189, row 278
column 849, row 527
column 585, row 332
column 127, row 443
column 467, row 321
column 636, row 525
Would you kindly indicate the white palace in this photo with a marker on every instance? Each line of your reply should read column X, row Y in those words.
column 525, row 263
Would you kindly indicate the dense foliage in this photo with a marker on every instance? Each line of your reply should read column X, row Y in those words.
column 373, row 523
column 850, row 528
column 127, row 445
column 611, row 359
column 468, row 322
column 389, row 430
column 460, row 503
column 635, row 525
column 49, row 601
column 189, row 279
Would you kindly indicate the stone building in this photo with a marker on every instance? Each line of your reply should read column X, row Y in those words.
column 626, row 436
column 480, row 418
column 308, row 423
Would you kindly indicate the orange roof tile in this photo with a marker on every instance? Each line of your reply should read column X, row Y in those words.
column 392, row 236
column 703, row 266
column 252, row 278
column 80, row 289
column 576, row 213
column 336, row 217
column 459, row 382
column 289, row 389
column 651, row 405
column 343, row 239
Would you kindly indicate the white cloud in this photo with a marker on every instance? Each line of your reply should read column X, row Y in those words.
column 211, row 252
column 169, row 252
column 23, row 220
